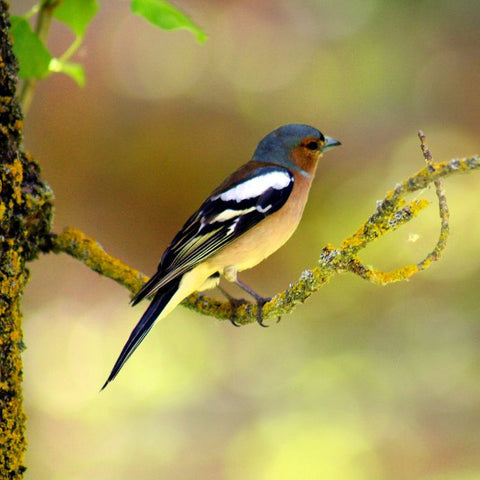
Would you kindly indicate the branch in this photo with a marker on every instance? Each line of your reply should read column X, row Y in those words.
column 390, row 214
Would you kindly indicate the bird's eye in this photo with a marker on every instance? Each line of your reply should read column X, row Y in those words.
column 312, row 145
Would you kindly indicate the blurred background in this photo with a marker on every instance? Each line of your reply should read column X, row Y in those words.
column 361, row 382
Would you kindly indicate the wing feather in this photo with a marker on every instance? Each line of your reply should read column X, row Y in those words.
column 228, row 213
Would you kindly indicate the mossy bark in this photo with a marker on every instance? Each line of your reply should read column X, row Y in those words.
column 25, row 223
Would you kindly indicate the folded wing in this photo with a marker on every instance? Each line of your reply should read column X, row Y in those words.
column 228, row 213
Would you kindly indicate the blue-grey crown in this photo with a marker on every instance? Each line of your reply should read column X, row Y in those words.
column 277, row 145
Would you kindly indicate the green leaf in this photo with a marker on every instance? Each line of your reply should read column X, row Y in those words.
column 33, row 57
column 74, row 70
column 166, row 16
column 76, row 14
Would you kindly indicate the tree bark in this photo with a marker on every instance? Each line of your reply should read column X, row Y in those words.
column 25, row 224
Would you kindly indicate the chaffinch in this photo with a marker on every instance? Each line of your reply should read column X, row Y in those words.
column 250, row 215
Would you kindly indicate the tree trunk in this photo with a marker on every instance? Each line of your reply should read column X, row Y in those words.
column 25, row 222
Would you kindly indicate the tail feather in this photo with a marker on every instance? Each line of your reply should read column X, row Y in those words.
column 160, row 300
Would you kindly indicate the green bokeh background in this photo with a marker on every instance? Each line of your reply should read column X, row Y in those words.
column 361, row 382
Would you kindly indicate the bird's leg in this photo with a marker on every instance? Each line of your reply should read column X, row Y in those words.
column 230, row 274
column 235, row 302
column 212, row 282
column 261, row 301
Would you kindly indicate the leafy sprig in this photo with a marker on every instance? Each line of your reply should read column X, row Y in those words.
column 30, row 42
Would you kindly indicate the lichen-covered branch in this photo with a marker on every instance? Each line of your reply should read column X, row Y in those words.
column 390, row 214
column 442, row 208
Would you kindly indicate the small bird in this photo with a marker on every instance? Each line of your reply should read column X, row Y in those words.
column 249, row 216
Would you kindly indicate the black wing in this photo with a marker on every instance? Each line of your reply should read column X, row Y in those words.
column 228, row 213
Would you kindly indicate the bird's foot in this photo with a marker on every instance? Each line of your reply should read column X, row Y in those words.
column 235, row 303
column 261, row 301
column 238, row 302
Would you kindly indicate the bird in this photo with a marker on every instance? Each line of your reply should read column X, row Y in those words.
column 249, row 216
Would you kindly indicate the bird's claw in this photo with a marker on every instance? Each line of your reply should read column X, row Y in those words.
column 235, row 303
column 260, row 303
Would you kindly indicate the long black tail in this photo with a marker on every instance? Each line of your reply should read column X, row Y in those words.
column 160, row 300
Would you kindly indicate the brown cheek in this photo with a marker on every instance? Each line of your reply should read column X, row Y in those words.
column 305, row 159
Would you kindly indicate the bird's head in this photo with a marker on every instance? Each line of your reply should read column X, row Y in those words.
column 294, row 146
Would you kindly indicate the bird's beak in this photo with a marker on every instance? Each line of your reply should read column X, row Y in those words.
column 330, row 143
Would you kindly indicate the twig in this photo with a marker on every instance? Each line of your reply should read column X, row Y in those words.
column 434, row 255
column 42, row 29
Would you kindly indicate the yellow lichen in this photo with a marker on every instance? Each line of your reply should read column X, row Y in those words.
column 15, row 336
column 17, row 172
column 384, row 278
column 91, row 253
